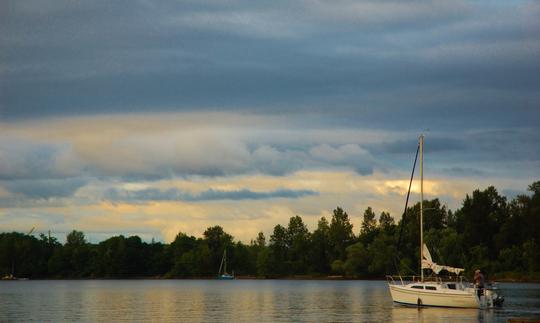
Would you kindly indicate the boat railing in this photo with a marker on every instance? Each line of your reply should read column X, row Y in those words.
column 403, row 280
column 395, row 279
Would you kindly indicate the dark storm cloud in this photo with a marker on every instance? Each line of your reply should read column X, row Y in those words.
column 478, row 145
column 407, row 146
column 153, row 194
column 463, row 171
column 382, row 63
column 44, row 188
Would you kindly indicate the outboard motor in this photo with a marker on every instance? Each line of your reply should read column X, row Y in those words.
column 498, row 301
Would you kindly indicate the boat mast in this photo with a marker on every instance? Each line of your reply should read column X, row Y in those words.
column 221, row 264
column 421, row 204
column 225, row 261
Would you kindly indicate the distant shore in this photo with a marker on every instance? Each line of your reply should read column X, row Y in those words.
column 504, row 279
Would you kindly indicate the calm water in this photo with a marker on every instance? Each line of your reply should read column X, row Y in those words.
column 239, row 300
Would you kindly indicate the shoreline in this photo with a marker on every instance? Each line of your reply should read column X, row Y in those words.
column 313, row 278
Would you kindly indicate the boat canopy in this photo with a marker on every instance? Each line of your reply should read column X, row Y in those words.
column 427, row 263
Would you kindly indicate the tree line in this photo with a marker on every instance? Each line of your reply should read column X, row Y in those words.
column 487, row 232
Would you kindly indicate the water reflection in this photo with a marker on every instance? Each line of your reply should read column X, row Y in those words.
column 430, row 314
column 239, row 300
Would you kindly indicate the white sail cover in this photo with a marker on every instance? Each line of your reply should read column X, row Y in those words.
column 427, row 263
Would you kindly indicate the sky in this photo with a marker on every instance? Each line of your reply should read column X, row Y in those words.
column 150, row 118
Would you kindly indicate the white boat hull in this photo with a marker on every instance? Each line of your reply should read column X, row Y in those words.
column 447, row 298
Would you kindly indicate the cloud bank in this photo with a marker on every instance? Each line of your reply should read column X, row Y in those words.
column 431, row 63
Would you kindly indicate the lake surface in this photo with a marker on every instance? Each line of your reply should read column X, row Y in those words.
column 238, row 300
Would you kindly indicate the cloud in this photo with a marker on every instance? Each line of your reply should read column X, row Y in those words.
column 432, row 145
column 464, row 171
column 249, row 23
column 183, row 145
column 351, row 155
column 44, row 188
column 169, row 145
column 268, row 159
column 153, row 194
column 393, row 13
column 25, row 159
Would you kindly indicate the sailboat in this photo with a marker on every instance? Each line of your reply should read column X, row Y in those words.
column 434, row 291
column 223, row 274
column 10, row 276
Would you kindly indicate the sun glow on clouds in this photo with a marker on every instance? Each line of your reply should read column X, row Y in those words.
column 402, row 186
column 157, row 175
column 243, row 219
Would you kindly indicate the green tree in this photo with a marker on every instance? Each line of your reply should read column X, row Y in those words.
column 381, row 253
column 264, row 263
column 21, row 255
column 182, row 263
column 481, row 217
column 298, row 244
column 369, row 224
column 241, row 260
column 159, row 258
column 320, row 247
column 196, row 262
column 386, row 222
column 76, row 254
column 76, row 239
column 338, row 267
column 527, row 215
column 215, row 237
column 510, row 259
column 531, row 255
column 479, row 259
column 182, row 243
column 435, row 218
column 451, row 248
column 341, row 234
column 217, row 240
column 358, row 260
column 278, row 252
column 260, row 241
column 369, row 228
column 111, row 253
column 260, row 255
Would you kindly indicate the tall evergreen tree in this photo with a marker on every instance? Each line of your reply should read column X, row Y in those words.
column 386, row 221
column 279, row 249
column 341, row 234
column 321, row 248
column 369, row 223
column 298, row 244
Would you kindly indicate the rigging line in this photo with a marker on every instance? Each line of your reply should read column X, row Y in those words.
column 407, row 200
column 398, row 244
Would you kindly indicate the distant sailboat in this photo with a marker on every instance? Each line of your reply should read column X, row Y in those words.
column 436, row 292
column 223, row 266
column 12, row 275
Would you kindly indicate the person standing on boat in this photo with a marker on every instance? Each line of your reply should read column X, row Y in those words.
column 479, row 282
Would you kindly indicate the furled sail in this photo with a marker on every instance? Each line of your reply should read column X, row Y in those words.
column 427, row 263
